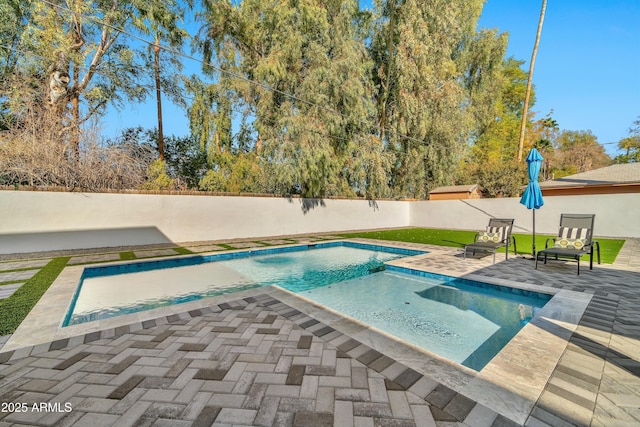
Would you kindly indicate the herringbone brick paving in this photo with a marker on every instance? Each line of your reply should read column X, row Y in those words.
column 212, row 367
column 275, row 366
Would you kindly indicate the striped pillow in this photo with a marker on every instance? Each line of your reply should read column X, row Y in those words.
column 573, row 233
column 499, row 231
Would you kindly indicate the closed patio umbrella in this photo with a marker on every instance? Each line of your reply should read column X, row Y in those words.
column 532, row 197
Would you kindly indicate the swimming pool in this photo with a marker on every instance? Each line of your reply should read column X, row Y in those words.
column 465, row 321
column 152, row 284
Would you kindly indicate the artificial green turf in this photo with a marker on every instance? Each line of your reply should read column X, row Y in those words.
column 15, row 308
column 11, row 282
column 183, row 251
column 19, row 269
column 127, row 256
column 609, row 248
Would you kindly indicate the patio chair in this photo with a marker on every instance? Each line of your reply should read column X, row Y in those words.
column 497, row 235
column 575, row 239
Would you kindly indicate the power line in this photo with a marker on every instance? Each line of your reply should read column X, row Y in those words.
column 190, row 98
column 230, row 73
column 151, row 87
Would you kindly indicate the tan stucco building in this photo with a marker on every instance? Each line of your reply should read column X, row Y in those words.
column 455, row 192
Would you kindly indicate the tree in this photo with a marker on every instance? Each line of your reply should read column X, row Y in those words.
column 489, row 161
column 297, row 71
column 76, row 55
column 578, row 151
column 529, row 81
column 435, row 78
column 161, row 20
column 14, row 14
column 30, row 155
column 545, row 132
column 630, row 145
column 185, row 160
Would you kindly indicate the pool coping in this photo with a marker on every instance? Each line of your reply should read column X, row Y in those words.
column 44, row 321
column 510, row 384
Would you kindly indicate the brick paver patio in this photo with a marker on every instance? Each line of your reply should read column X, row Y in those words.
column 257, row 360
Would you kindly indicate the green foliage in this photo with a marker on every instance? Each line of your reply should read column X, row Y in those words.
column 578, row 151
column 630, row 145
column 13, row 16
column 498, row 178
column 314, row 142
column 157, row 178
column 239, row 173
column 15, row 308
column 309, row 97
column 186, row 161
column 436, row 86
column 489, row 162
column 515, row 87
column 10, row 282
column 70, row 60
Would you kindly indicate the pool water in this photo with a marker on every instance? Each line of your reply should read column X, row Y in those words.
column 111, row 291
column 463, row 321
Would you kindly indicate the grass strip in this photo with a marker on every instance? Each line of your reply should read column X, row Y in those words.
column 12, row 282
column 609, row 248
column 127, row 256
column 19, row 269
column 183, row 251
column 15, row 308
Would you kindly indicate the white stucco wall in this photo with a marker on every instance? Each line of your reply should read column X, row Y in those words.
column 617, row 215
column 40, row 221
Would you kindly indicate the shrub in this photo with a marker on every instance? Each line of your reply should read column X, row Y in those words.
column 157, row 177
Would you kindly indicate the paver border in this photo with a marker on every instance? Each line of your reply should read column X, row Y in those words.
column 493, row 387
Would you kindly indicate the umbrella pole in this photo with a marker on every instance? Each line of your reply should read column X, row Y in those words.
column 534, row 233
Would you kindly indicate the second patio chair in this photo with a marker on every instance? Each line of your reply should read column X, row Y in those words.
column 575, row 239
column 498, row 235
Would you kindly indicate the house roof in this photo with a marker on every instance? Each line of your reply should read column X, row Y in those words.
column 628, row 173
column 467, row 188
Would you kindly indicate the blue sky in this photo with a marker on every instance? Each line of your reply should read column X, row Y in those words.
column 587, row 71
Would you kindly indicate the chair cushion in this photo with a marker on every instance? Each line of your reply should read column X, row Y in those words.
column 564, row 243
column 487, row 237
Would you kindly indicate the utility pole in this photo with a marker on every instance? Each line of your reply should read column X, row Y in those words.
column 528, row 93
column 156, row 54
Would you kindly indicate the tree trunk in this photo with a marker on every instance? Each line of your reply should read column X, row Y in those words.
column 387, row 83
column 528, row 93
column 156, row 53
column 75, row 115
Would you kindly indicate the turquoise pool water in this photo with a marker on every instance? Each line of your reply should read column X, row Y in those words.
column 116, row 290
column 464, row 321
